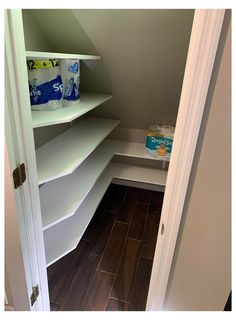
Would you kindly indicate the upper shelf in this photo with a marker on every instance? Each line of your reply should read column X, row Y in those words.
column 55, row 55
column 62, row 155
column 88, row 101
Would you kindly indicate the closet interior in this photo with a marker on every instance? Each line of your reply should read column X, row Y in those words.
column 131, row 71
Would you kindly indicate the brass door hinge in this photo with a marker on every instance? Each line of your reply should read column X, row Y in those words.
column 34, row 295
column 19, row 175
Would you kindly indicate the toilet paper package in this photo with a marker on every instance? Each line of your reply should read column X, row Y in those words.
column 45, row 84
column 70, row 73
column 159, row 141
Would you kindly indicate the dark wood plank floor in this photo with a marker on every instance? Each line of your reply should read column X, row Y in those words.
column 110, row 268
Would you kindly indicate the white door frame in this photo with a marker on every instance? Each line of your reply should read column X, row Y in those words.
column 19, row 144
column 206, row 29
column 201, row 55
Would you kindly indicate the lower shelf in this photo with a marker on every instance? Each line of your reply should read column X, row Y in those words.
column 64, row 236
column 138, row 174
column 62, row 197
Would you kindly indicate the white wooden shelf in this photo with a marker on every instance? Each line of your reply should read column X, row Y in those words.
column 130, row 149
column 62, row 155
column 138, row 174
column 73, row 187
column 64, row 237
column 88, row 101
column 58, row 242
column 56, row 55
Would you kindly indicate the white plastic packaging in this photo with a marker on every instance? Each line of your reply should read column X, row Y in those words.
column 70, row 73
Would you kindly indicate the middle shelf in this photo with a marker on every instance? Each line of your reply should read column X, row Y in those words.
column 62, row 155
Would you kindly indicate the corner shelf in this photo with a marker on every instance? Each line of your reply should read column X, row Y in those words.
column 77, row 185
column 56, row 55
column 62, row 155
column 88, row 101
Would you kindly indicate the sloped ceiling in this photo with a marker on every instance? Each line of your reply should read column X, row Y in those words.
column 143, row 57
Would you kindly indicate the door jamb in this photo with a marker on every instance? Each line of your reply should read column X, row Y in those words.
column 203, row 44
column 20, row 143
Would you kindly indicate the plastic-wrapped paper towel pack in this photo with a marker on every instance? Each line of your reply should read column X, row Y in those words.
column 53, row 83
column 45, row 84
column 159, row 141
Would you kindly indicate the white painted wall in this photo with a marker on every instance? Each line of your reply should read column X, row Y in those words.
column 200, row 278
column 35, row 40
column 143, row 57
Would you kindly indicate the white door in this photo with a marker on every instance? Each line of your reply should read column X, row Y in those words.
column 203, row 44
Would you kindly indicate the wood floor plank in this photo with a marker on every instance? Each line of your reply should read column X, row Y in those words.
column 110, row 269
column 98, row 232
column 140, row 286
column 98, row 292
column 141, row 195
column 125, row 275
column 116, row 305
column 138, row 221
column 150, row 235
column 127, row 207
column 112, row 253
column 59, row 283
column 76, row 292
column 54, row 307
column 113, row 198
column 52, row 269
column 156, row 201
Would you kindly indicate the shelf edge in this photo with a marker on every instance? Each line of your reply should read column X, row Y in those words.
column 57, row 55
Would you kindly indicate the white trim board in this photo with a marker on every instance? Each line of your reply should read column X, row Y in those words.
column 140, row 185
column 204, row 40
column 20, row 143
